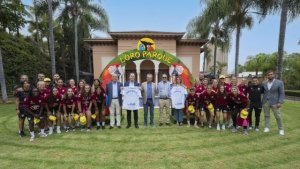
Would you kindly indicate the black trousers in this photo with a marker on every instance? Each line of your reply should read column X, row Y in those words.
column 135, row 116
column 257, row 111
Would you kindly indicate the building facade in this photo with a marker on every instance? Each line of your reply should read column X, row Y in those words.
column 105, row 50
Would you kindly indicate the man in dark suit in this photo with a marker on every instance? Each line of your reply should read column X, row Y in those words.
column 132, row 83
column 114, row 100
column 273, row 99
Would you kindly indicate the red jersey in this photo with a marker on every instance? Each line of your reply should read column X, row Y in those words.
column 199, row 89
column 206, row 98
column 74, row 89
column 54, row 101
column 215, row 89
column 192, row 100
column 239, row 100
column 47, row 90
column 62, row 90
column 85, row 102
column 243, row 89
column 43, row 94
column 34, row 103
column 221, row 100
column 99, row 98
column 68, row 102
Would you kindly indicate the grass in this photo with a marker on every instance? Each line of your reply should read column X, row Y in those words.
column 161, row 147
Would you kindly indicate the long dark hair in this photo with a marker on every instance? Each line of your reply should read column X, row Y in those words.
column 52, row 98
column 219, row 91
column 31, row 92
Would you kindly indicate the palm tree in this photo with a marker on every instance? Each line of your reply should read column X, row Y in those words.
column 86, row 15
column 51, row 37
column 2, row 79
column 211, row 25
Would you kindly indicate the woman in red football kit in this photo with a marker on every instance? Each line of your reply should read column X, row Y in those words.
column 221, row 106
column 215, row 86
column 60, row 86
column 239, row 101
column 81, row 85
column 72, row 85
column 69, row 109
column 192, row 100
column 206, row 98
column 85, row 103
column 53, row 107
column 99, row 100
column 34, row 105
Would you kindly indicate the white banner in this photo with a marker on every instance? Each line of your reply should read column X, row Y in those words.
column 131, row 97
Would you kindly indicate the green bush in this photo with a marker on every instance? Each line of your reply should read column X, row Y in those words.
column 292, row 93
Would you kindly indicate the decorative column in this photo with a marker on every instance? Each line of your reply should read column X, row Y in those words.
column 156, row 66
column 138, row 70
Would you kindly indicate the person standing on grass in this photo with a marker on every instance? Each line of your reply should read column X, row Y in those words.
column 132, row 83
column 221, row 106
column 114, row 101
column 22, row 93
column 255, row 92
column 85, row 102
column 273, row 98
column 163, row 90
column 239, row 102
column 191, row 105
column 99, row 100
column 34, row 107
column 178, row 96
column 243, row 88
column 149, row 91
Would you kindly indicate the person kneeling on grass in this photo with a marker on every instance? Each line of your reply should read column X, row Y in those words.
column 191, row 106
column 69, row 109
column 53, row 107
column 84, row 105
column 34, row 105
column 239, row 101
column 207, row 101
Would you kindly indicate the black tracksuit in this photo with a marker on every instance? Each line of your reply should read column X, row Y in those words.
column 255, row 92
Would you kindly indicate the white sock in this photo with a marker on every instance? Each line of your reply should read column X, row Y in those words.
column 32, row 133
column 50, row 128
column 98, row 123
column 103, row 123
column 42, row 131
column 58, row 127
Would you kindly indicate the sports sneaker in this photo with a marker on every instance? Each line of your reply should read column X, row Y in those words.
column 188, row 125
column 250, row 128
column 58, row 131
column 50, row 131
column 281, row 132
column 256, row 129
column 88, row 130
column 233, row 130
column 196, row 126
column 43, row 135
column 223, row 127
column 266, row 130
column 73, row 129
column 209, row 126
column 31, row 138
column 98, row 127
column 245, row 132
column 218, row 127
column 67, row 130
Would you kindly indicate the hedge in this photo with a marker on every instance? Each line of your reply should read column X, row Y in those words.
column 292, row 93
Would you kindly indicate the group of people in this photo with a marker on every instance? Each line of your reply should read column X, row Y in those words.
column 51, row 103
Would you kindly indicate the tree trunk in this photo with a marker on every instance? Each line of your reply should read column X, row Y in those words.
column 63, row 62
column 36, row 23
column 76, row 48
column 2, row 80
column 51, row 37
column 237, row 50
column 215, row 56
column 283, row 21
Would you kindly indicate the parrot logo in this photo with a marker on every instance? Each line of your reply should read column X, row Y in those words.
column 145, row 44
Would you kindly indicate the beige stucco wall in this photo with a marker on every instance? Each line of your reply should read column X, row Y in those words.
column 221, row 57
column 187, row 53
column 102, row 55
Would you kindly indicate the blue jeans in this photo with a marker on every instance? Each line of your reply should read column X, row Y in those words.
column 148, row 104
column 178, row 115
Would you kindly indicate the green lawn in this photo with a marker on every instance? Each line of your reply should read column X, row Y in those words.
column 162, row 147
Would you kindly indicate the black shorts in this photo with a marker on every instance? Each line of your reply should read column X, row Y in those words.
column 30, row 117
column 22, row 114
column 53, row 110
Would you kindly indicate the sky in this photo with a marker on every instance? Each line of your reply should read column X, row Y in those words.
column 174, row 15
